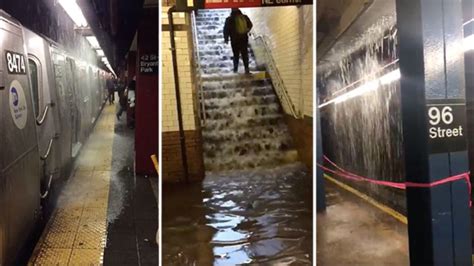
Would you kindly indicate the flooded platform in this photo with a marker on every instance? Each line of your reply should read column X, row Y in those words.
column 258, row 216
column 105, row 215
column 354, row 232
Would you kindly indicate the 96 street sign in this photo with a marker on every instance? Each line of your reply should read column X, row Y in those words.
column 446, row 125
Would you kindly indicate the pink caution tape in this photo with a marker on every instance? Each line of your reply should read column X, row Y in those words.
column 343, row 173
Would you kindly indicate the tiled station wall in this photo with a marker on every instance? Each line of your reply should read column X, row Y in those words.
column 290, row 34
column 172, row 169
column 289, row 31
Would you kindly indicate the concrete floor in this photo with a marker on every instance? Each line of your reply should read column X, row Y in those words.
column 353, row 232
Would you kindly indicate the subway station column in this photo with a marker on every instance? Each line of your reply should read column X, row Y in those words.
column 434, row 130
column 146, row 110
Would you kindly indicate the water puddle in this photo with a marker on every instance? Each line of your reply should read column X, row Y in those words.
column 259, row 216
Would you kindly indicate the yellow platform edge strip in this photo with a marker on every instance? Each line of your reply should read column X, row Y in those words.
column 398, row 216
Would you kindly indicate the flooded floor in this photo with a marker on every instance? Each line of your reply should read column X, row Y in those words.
column 353, row 232
column 259, row 216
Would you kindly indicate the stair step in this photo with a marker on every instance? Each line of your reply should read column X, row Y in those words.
column 220, row 124
column 253, row 133
column 266, row 160
column 245, row 148
column 257, row 100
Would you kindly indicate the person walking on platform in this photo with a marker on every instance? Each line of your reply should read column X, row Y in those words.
column 111, row 90
column 237, row 27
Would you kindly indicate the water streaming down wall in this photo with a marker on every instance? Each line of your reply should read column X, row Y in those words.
column 244, row 125
column 361, row 127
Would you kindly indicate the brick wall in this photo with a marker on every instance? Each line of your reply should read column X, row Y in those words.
column 301, row 131
column 289, row 31
column 172, row 169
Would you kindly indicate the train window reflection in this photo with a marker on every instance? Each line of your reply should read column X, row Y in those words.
column 34, row 84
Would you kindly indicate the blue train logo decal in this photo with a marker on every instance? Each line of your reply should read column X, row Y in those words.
column 18, row 106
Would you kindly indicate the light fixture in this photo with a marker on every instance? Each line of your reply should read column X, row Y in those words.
column 468, row 44
column 74, row 12
column 93, row 41
column 369, row 86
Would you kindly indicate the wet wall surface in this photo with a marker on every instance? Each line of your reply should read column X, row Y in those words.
column 132, row 210
column 260, row 216
column 363, row 135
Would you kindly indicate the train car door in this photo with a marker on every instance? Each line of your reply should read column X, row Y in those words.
column 64, row 109
column 74, row 115
column 20, row 167
column 44, row 103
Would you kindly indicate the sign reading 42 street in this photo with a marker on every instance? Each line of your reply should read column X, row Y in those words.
column 446, row 125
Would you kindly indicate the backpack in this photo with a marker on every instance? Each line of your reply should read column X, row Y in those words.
column 241, row 25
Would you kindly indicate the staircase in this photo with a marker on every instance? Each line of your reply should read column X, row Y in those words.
column 244, row 125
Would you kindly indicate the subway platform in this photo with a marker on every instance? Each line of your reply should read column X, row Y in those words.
column 353, row 231
column 105, row 215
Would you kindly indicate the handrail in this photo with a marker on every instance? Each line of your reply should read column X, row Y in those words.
column 48, row 150
column 202, row 113
column 45, row 194
column 276, row 79
column 43, row 115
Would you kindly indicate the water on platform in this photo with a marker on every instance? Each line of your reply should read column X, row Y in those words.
column 260, row 216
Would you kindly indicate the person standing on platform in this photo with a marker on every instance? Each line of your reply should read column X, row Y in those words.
column 111, row 90
column 122, row 94
column 131, row 103
column 237, row 27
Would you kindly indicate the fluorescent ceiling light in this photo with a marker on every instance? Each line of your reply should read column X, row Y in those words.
column 100, row 52
column 74, row 12
column 386, row 79
column 369, row 86
column 93, row 41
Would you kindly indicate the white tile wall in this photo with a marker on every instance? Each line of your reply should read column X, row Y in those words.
column 169, row 112
column 289, row 30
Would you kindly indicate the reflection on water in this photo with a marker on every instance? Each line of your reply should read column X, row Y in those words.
column 260, row 216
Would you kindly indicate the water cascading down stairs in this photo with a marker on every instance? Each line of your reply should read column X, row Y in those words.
column 244, row 125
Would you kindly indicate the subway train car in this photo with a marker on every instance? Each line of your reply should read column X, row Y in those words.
column 49, row 101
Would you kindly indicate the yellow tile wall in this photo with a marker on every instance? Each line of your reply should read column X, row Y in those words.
column 183, row 51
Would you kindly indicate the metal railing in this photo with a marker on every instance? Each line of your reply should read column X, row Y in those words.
column 197, row 63
column 262, row 49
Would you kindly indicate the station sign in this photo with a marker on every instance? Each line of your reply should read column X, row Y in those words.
column 447, row 130
column 210, row 4
column 148, row 64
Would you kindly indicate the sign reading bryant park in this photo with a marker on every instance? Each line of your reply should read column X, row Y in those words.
column 148, row 64
column 447, row 130
column 209, row 4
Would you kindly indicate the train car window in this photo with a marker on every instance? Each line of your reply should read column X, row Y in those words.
column 34, row 84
